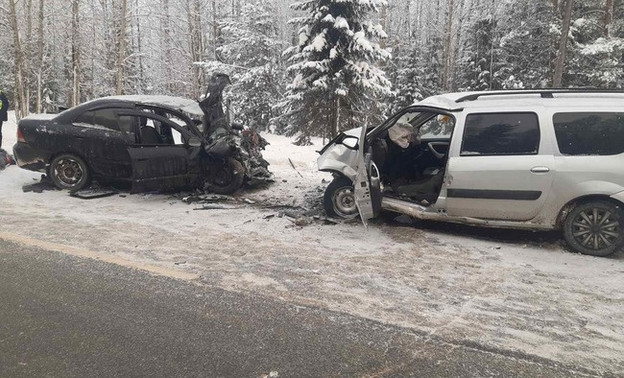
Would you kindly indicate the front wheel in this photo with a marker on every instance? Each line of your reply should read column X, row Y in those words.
column 595, row 228
column 226, row 178
column 339, row 199
column 69, row 172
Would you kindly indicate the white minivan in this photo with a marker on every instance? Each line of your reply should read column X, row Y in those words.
column 533, row 159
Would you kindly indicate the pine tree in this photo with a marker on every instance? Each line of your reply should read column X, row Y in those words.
column 527, row 45
column 482, row 60
column 252, row 49
column 336, row 83
column 417, row 74
column 597, row 48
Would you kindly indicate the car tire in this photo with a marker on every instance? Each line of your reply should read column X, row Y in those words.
column 595, row 228
column 69, row 172
column 227, row 178
column 339, row 199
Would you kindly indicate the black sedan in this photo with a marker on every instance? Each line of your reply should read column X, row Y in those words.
column 150, row 142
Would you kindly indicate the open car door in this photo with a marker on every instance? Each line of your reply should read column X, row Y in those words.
column 161, row 165
column 367, row 184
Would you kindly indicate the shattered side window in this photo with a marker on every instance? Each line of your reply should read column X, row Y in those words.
column 501, row 134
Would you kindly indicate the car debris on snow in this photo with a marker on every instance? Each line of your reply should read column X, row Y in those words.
column 295, row 168
column 217, row 207
column 92, row 193
column 39, row 187
column 206, row 198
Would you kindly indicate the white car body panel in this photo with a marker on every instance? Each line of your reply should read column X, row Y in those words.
column 340, row 158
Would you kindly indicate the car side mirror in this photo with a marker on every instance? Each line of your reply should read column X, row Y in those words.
column 350, row 142
column 194, row 142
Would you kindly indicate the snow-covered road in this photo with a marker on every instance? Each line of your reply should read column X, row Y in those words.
column 522, row 292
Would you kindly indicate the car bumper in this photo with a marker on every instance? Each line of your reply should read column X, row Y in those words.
column 30, row 158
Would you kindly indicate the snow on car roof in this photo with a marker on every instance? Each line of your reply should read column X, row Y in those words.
column 184, row 104
column 42, row 116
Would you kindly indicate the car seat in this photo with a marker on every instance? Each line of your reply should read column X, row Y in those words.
column 149, row 135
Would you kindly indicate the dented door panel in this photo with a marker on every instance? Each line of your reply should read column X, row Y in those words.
column 162, row 168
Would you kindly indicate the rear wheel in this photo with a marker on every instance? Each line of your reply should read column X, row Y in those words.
column 69, row 172
column 595, row 228
column 226, row 178
column 339, row 199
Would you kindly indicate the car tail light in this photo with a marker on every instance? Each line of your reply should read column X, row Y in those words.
column 20, row 136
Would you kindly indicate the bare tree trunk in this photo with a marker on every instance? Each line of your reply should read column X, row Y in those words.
column 139, row 47
column 121, row 48
column 449, row 55
column 563, row 44
column 40, row 46
column 166, row 46
column 28, row 53
column 76, row 69
column 196, row 46
column 20, row 93
column 608, row 19
column 384, row 23
column 336, row 125
column 93, row 58
column 408, row 17
column 215, row 29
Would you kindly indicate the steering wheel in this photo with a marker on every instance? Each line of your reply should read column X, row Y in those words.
column 433, row 151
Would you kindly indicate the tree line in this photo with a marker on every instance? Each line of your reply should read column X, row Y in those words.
column 310, row 67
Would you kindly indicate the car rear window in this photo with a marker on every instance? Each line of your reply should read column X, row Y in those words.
column 501, row 134
column 590, row 133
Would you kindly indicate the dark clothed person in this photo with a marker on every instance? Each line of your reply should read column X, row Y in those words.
column 4, row 109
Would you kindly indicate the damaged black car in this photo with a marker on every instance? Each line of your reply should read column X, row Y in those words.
column 152, row 143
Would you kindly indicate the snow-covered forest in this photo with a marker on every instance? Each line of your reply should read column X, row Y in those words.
column 310, row 67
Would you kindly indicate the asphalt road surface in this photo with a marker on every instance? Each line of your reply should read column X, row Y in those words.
column 65, row 316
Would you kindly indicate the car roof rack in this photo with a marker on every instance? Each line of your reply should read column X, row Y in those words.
column 544, row 93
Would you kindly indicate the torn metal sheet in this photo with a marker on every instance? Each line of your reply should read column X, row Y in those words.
column 94, row 193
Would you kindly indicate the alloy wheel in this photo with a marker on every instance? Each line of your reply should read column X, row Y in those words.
column 596, row 228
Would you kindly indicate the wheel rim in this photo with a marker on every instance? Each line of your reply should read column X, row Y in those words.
column 344, row 202
column 69, row 172
column 596, row 228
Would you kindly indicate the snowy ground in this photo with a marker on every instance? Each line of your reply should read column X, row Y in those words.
column 502, row 290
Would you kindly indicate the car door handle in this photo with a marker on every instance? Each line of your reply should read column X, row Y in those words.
column 540, row 169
